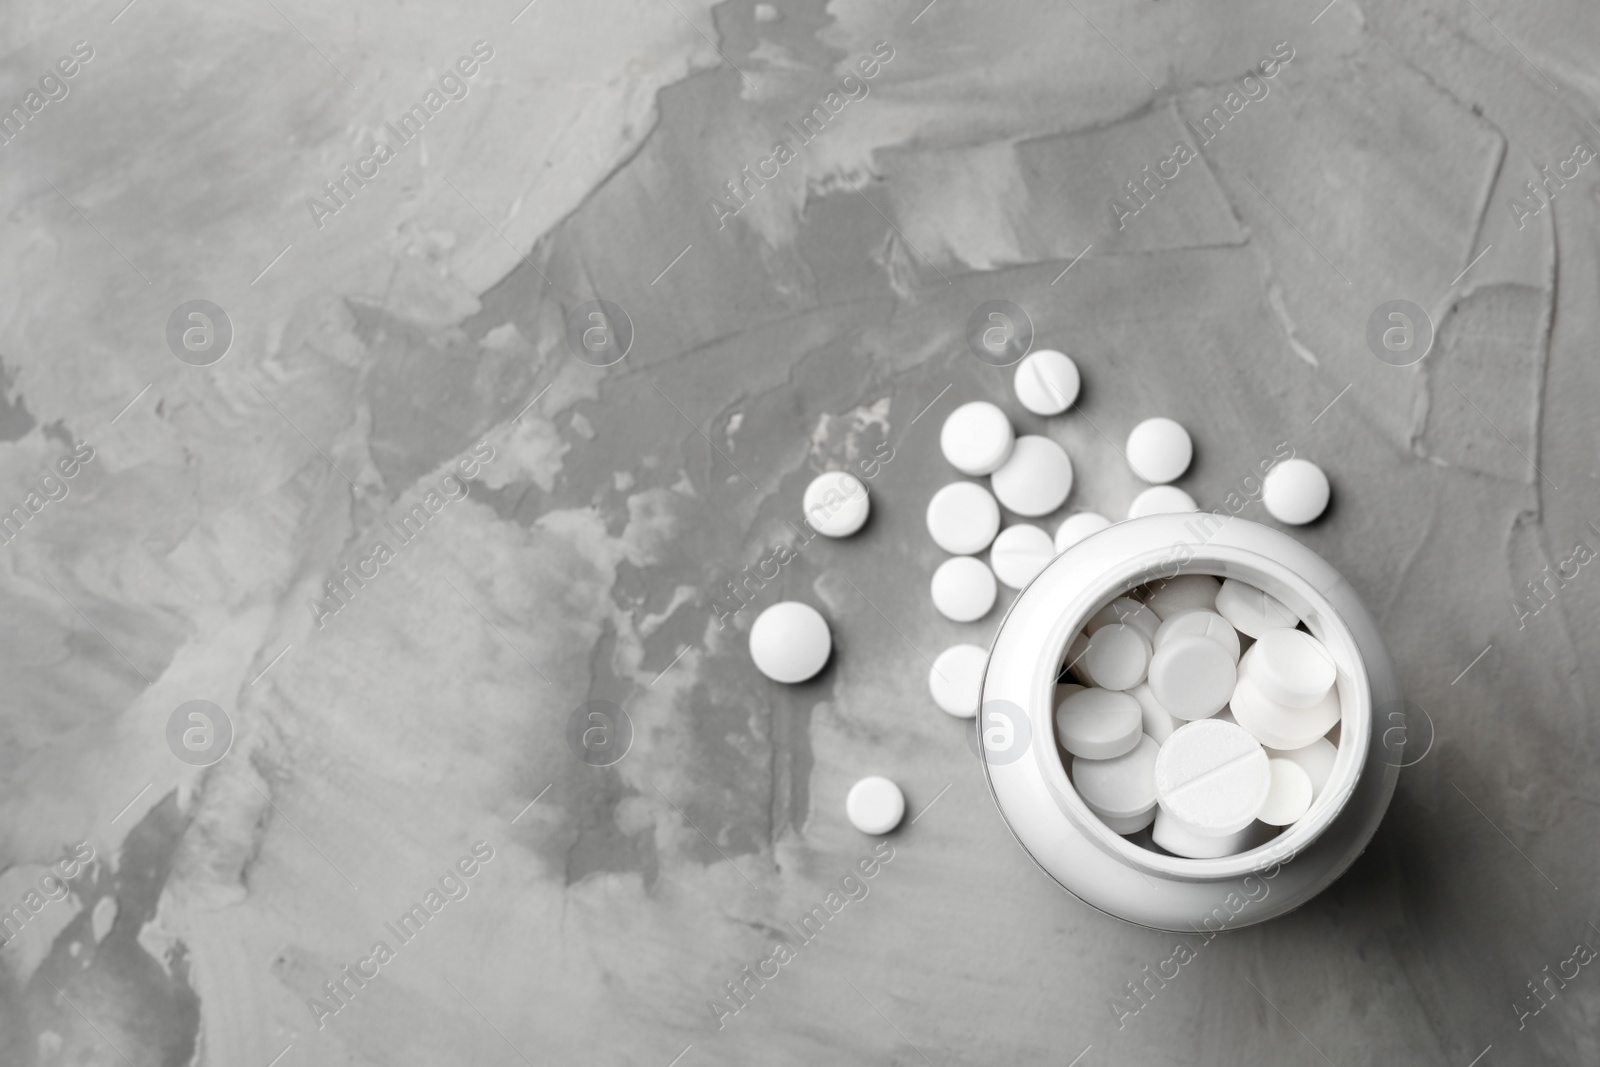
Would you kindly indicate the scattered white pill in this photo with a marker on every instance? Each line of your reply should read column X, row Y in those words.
column 1077, row 526
column 1277, row 726
column 1295, row 491
column 1207, row 624
column 1184, row 592
column 1316, row 759
column 1251, row 611
column 1131, row 825
column 1161, row 500
column 1047, row 382
column 835, row 504
column 1098, row 723
column 1290, row 667
column 1289, row 795
column 790, row 641
column 1158, row 721
column 1020, row 553
column 976, row 438
column 1159, row 450
column 956, row 679
column 963, row 518
column 1211, row 777
column 1125, row 609
column 1121, row 787
column 875, row 805
column 1192, row 677
column 1035, row 479
column 1117, row 656
column 1181, row 842
column 963, row 589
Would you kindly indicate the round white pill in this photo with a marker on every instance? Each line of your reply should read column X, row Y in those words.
column 1184, row 592
column 1251, row 611
column 1020, row 553
column 1132, row 824
column 1161, row 500
column 1098, row 723
column 1035, row 479
column 956, row 679
column 1127, row 610
column 1316, row 759
column 1289, row 795
column 1158, row 721
column 1295, row 491
column 963, row 589
column 1192, row 677
column 1159, row 450
column 1211, row 777
column 1047, row 382
column 1207, row 624
column 1277, row 726
column 976, row 438
column 835, row 504
column 1117, row 656
column 875, row 805
column 790, row 641
column 1123, row 786
column 1076, row 527
column 1291, row 668
column 1064, row 690
column 1181, row 842
column 963, row 518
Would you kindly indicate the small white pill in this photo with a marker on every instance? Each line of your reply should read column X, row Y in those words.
column 835, row 504
column 1132, row 824
column 976, row 438
column 1181, row 842
column 1295, row 491
column 790, row 642
column 1251, row 611
column 1192, row 677
column 1077, row 526
column 1289, row 795
column 956, row 679
column 1159, row 450
column 1211, row 777
column 963, row 589
column 1020, row 553
column 1316, row 759
column 1277, row 726
column 963, row 518
column 1035, row 479
column 1158, row 721
column 1098, row 723
column 1127, row 610
column 1121, row 787
column 1184, row 592
column 1291, row 668
column 1202, row 623
column 1047, row 382
column 875, row 805
column 1161, row 500
column 1117, row 656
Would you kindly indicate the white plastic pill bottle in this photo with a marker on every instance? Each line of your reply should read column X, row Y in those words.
column 1027, row 771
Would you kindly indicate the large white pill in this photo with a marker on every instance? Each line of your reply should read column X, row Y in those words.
column 1316, row 759
column 1047, row 382
column 1290, row 667
column 976, row 438
column 1277, row 726
column 1192, row 677
column 1161, row 500
column 1251, row 611
column 1098, row 723
column 1121, row 787
column 1020, row 553
column 1158, row 721
column 1181, row 842
column 963, row 518
column 963, row 589
column 1131, row 825
column 1117, row 656
column 790, row 641
column 1207, row 624
column 1289, row 795
column 835, row 504
column 1035, row 479
column 956, row 679
column 1159, row 450
column 1127, row 610
column 1295, row 491
column 1077, row 526
column 1211, row 777
column 875, row 805
column 1184, row 592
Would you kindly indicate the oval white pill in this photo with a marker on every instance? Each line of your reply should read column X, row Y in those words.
column 1289, row 795
column 1295, row 491
column 1183, row 592
column 1125, row 609
column 1192, row 677
column 790, row 641
column 963, row 518
column 1180, row 842
column 976, row 437
column 1035, row 479
column 956, row 679
column 963, row 589
column 1252, row 611
column 1131, row 825
column 1076, row 527
column 1158, row 721
column 1159, row 450
column 1316, row 759
column 835, row 504
column 1121, row 787
column 1211, row 777
column 1047, row 382
column 1020, row 553
column 875, row 805
column 1098, row 723
column 1202, row 623
column 1277, row 726
column 1117, row 656
column 1161, row 500
column 1290, row 667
